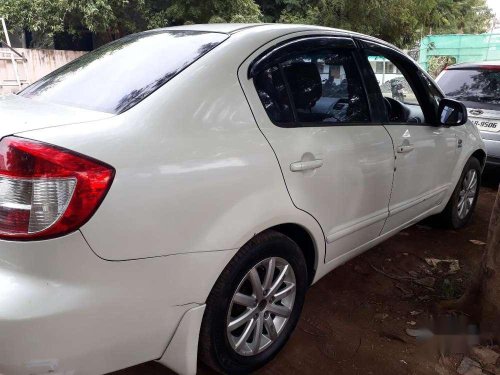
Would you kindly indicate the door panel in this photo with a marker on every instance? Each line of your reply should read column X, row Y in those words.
column 337, row 165
column 425, row 159
column 348, row 194
column 425, row 153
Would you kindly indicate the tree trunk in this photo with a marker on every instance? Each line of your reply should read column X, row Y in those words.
column 489, row 284
column 481, row 301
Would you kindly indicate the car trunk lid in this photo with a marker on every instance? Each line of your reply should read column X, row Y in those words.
column 21, row 114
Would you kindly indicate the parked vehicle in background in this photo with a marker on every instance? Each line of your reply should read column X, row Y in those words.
column 477, row 85
column 177, row 191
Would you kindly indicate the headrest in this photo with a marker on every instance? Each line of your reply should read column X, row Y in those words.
column 305, row 83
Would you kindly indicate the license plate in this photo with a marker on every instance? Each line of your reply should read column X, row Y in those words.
column 486, row 125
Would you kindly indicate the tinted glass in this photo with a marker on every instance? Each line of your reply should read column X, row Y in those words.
column 119, row 75
column 431, row 88
column 473, row 85
column 272, row 92
column 324, row 87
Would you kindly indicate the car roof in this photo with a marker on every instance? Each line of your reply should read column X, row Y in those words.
column 226, row 28
column 231, row 28
column 474, row 65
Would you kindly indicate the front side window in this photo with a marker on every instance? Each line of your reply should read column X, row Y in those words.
column 120, row 74
column 401, row 102
column 318, row 87
column 434, row 94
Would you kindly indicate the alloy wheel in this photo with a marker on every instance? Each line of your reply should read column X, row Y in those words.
column 467, row 193
column 261, row 306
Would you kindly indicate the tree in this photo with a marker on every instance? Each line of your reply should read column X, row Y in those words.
column 115, row 18
column 178, row 12
column 489, row 276
column 402, row 22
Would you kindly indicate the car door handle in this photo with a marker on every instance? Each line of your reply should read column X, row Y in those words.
column 306, row 165
column 405, row 148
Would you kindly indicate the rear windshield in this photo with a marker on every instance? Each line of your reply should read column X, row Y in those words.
column 474, row 85
column 117, row 76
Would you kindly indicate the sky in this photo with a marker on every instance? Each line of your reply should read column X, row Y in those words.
column 495, row 5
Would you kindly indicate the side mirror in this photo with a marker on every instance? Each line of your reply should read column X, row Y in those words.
column 452, row 112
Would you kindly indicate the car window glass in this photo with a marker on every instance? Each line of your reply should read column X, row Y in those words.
column 401, row 102
column 434, row 93
column 273, row 94
column 474, row 85
column 324, row 87
column 118, row 75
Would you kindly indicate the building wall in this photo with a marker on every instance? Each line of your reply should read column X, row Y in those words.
column 39, row 63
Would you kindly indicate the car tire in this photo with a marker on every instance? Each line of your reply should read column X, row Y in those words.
column 224, row 347
column 452, row 216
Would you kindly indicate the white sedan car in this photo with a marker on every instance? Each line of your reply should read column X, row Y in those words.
column 176, row 192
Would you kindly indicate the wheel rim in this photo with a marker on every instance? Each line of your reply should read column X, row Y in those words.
column 467, row 194
column 261, row 306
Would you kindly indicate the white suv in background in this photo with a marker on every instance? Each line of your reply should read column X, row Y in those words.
column 177, row 191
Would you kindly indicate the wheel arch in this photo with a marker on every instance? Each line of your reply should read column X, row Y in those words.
column 305, row 241
column 480, row 155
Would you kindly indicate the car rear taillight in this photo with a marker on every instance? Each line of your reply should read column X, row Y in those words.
column 47, row 191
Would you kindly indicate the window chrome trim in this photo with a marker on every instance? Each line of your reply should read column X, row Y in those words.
column 290, row 46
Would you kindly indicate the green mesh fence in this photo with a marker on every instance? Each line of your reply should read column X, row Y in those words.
column 463, row 47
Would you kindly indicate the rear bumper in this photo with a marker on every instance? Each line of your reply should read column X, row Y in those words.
column 64, row 310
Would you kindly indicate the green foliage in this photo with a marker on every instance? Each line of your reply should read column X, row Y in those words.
column 402, row 22
column 438, row 63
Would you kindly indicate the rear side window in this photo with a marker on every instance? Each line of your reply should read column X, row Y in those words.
column 314, row 88
column 119, row 75
column 474, row 85
column 273, row 94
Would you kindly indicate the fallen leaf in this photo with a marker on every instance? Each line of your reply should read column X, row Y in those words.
column 420, row 334
column 449, row 266
column 466, row 365
column 477, row 242
column 486, row 356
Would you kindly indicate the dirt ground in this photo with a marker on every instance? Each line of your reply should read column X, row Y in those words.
column 355, row 319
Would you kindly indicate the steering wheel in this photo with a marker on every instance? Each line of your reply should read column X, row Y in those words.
column 397, row 111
